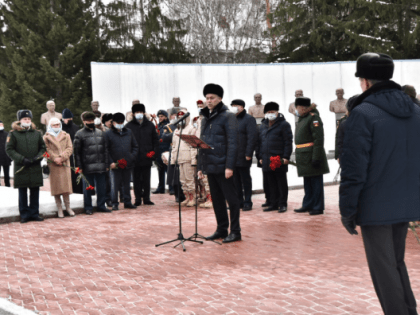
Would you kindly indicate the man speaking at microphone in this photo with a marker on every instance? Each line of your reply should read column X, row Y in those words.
column 219, row 129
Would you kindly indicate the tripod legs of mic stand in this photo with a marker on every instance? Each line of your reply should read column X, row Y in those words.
column 181, row 240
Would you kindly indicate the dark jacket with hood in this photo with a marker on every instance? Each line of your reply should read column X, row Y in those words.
column 121, row 145
column 273, row 141
column 163, row 146
column 380, row 177
column 146, row 138
column 248, row 137
column 91, row 151
column 219, row 129
column 4, row 158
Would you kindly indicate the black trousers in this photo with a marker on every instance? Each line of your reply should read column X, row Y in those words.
column 266, row 187
column 162, row 174
column 222, row 190
column 243, row 184
column 314, row 193
column 141, row 180
column 121, row 178
column 31, row 211
column 279, row 190
column 385, row 249
column 6, row 174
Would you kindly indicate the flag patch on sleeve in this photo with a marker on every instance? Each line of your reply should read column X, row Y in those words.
column 316, row 123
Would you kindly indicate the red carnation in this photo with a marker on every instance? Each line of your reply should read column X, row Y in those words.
column 151, row 154
column 275, row 162
column 90, row 187
column 46, row 155
column 77, row 170
column 161, row 140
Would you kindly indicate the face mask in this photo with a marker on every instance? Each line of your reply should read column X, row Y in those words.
column 272, row 117
column 139, row 116
column 56, row 130
column 199, row 110
column 173, row 121
column 97, row 121
column 234, row 109
column 1, row 128
column 195, row 125
column 297, row 113
column 25, row 125
column 119, row 126
column 91, row 126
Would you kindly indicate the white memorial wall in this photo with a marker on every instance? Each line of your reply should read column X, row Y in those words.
column 115, row 85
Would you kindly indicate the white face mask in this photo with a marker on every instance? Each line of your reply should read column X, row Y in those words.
column 297, row 113
column 173, row 121
column 97, row 121
column 195, row 125
column 56, row 130
column 1, row 128
column 139, row 116
column 118, row 126
column 234, row 109
column 25, row 125
column 270, row 116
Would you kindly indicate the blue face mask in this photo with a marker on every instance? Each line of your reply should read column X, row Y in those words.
column 139, row 116
column 119, row 126
column 297, row 113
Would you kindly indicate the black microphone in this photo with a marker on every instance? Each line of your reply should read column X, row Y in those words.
column 181, row 119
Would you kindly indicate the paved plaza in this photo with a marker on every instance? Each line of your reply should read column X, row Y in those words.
column 108, row 264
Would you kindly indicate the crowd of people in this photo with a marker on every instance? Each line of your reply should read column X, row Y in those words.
column 376, row 145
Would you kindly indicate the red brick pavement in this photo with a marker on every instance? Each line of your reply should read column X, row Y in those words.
column 108, row 264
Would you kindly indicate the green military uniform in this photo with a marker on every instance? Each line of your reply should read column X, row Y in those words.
column 310, row 130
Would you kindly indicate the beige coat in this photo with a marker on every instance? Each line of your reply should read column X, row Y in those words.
column 186, row 153
column 60, row 176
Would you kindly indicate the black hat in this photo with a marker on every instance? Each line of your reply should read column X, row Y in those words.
column 88, row 116
column 213, row 89
column 106, row 117
column 24, row 113
column 375, row 66
column 238, row 102
column 303, row 101
column 1, row 121
column 138, row 108
column 97, row 114
column 117, row 117
column 163, row 112
column 351, row 102
column 271, row 106
column 67, row 113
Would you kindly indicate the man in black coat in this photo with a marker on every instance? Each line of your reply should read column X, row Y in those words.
column 92, row 157
column 144, row 132
column 380, row 178
column 122, row 146
column 247, row 136
column 163, row 147
column 275, row 139
column 5, row 161
column 219, row 129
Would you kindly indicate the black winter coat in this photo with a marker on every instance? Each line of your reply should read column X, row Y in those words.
column 163, row 146
column 147, row 140
column 4, row 158
column 273, row 141
column 339, row 137
column 248, row 137
column 219, row 129
column 71, row 128
column 380, row 177
column 122, row 145
column 91, row 151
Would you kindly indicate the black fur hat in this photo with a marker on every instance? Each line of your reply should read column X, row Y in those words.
column 213, row 89
column 375, row 66
column 271, row 106
column 303, row 101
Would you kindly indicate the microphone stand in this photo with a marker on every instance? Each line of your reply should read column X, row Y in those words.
column 180, row 237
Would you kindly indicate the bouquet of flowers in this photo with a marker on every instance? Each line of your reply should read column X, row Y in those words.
column 45, row 155
column 151, row 154
column 122, row 164
column 277, row 161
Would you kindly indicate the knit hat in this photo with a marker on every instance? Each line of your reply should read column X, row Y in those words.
column 213, row 89
column 271, row 106
column 67, row 113
column 106, row 117
column 138, row 108
column 238, row 102
column 163, row 112
column 88, row 116
column 24, row 113
column 375, row 66
column 303, row 101
column 118, row 117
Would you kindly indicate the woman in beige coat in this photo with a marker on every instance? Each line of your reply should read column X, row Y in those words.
column 60, row 148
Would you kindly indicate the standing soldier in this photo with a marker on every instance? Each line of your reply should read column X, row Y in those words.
column 247, row 141
column 163, row 147
column 311, row 159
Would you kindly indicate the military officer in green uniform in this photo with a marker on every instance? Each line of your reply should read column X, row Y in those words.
column 311, row 159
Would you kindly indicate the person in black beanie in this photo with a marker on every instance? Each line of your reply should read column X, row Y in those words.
column 144, row 132
column 5, row 161
column 219, row 129
column 71, row 128
column 163, row 147
column 107, row 121
column 380, row 178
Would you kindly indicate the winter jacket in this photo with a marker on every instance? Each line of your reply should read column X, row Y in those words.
column 60, row 175
column 276, row 140
column 23, row 143
column 91, row 151
column 219, row 129
column 339, row 137
column 187, row 154
column 4, row 158
column 248, row 138
column 71, row 128
column 380, row 177
column 122, row 145
column 147, row 140
column 310, row 130
column 163, row 146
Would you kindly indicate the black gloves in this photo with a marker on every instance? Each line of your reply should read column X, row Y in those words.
column 27, row 162
column 316, row 163
column 36, row 160
column 350, row 224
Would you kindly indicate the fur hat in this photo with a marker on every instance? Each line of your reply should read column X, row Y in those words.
column 271, row 106
column 163, row 112
column 67, row 113
column 303, row 101
column 106, row 117
column 118, row 117
column 374, row 66
column 238, row 102
column 138, row 108
column 213, row 89
column 24, row 113
column 88, row 116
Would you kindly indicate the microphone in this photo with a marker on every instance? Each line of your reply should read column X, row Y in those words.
column 182, row 119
